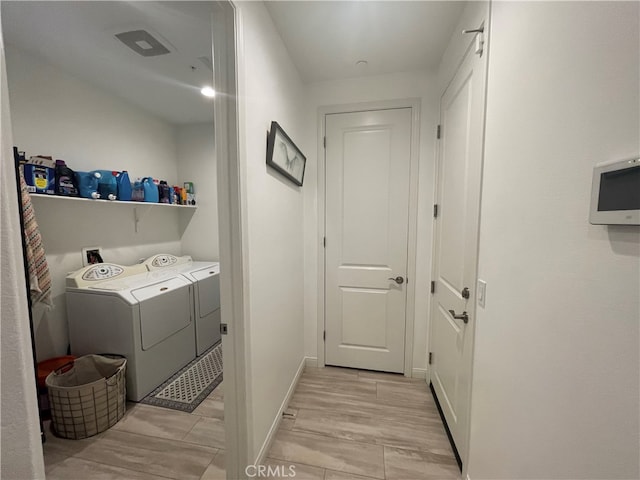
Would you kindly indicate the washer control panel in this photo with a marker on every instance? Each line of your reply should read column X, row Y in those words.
column 165, row 260
column 102, row 271
column 92, row 275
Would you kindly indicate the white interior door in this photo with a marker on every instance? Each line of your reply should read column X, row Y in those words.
column 367, row 212
column 456, row 242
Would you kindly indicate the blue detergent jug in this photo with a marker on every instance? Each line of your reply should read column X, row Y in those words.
column 124, row 186
column 108, row 185
column 151, row 193
column 88, row 183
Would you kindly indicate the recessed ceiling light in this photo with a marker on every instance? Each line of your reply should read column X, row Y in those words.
column 208, row 92
column 362, row 63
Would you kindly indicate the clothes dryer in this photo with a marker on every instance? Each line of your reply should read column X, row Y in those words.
column 145, row 316
column 206, row 294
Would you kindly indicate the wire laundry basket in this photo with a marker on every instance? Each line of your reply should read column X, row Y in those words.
column 87, row 396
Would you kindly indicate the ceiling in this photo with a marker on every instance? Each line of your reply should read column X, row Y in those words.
column 326, row 38
column 79, row 37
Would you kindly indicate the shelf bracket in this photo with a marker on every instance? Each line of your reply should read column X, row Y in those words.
column 137, row 217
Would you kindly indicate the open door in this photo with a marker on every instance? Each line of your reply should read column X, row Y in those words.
column 456, row 245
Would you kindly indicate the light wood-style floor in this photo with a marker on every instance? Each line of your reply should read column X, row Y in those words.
column 354, row 424
column 149, row 443
column 348, row 424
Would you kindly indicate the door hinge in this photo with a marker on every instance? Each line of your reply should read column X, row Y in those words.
column 438, row 131
column 479, row 39
column 433, row 286
column 435, row 210
column 324, row 142
column 324, row 242
column 223, row 329
column 430, row 358
column 324, row 335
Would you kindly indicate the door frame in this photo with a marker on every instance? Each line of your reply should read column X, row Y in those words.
column 412, row 241
column 227, row 60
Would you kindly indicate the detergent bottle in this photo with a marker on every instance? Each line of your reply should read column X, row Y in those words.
column 164, row 192
column 65, row 180
column 137, row 194
column 124, row 186
column 108, row 185
column 150, row 190
column 88, row 184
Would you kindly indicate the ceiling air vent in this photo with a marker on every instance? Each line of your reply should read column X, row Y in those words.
column 143, row 43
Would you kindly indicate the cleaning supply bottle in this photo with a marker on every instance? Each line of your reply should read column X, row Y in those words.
column 124, row 186
column 108, row 185
column 88, row 184
column 137, row 194
column 65, row 180
column 150, row 190
column 191, row 193
column 164, row 192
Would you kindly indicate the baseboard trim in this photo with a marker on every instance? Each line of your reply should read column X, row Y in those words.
column 419, row 373
column 271, row 435
column 446, row 427
column 311, row 362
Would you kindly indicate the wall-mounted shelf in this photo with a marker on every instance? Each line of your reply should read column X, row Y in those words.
column 138, row 214
column 111, row 202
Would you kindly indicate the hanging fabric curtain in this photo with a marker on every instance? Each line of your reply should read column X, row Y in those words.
column 39, row 277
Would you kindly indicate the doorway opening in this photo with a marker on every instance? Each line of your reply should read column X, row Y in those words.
column 102, row 105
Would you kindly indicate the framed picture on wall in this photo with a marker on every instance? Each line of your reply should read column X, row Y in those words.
column 284, row 156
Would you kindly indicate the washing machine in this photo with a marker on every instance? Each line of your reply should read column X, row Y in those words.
column 128, row 310
column 206, row 293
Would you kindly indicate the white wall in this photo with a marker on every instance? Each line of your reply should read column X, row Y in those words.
column 270, row 89
column 555, row 387
column 197, row 163
column 56, row 114
column 420, row 85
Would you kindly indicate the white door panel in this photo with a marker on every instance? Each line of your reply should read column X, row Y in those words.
column 456, row 241
column 367, row 207
column 448, row 332
column 453, row 193
column 367, row 310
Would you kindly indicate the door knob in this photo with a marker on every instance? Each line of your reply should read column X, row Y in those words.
column 463, row 316
column 399, row 280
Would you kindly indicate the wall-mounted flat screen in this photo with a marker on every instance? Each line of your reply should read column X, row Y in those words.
column 615, row 193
